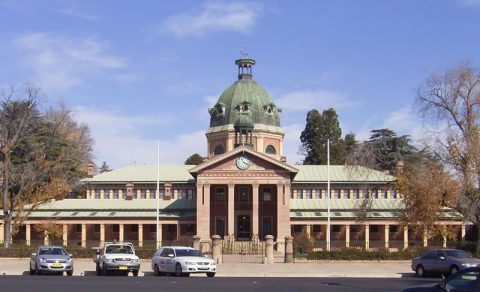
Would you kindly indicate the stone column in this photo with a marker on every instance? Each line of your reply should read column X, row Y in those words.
column 255, row 211
column 309, row 231
column 463, row 232
column 140, row 235
column 203, row 210
column 347, row 236
column 196, row 242
column 288, row 249
column 102, row 194
column 28, row 234
column 367, row 237
column 405, row 237
column 102, row 234
column 45, row 238
column 269, row 249
column 217, row 249
column 387, row 236
column 231, row 211
column 283, row 210
column 160, row 235
column 121, row 230
column 444, row 237
column 65, row 235
column 425, row 237
column 84, row 235
column 2, row 229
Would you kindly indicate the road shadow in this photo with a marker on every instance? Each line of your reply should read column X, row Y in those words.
column 148, row 274
column 89, row 273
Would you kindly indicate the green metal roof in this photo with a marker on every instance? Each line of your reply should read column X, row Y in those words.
column 145, row 173
column 340, row 174
column 345, row 204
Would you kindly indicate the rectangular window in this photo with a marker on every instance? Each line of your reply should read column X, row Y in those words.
column 134, row 228
column 97, row 194
column 336, row 228
column 374, row 193
column 316, row 228
column 106, row 194
column 355, row 194
column 393, row 194
column 181, row 194
column 152, row 228
column 161, row 194
column 291, row 194
column 152, row 194
column 96, row 228
column 297, row 228
column 299, row 194
column 346, row 193
column 336, row 194
column 124, row 194
column 115, row 194
column 190, row 194
column 374, row 228
column 355, row 228
column 189, row 229
column 220, row 194
column 78, row 228
column 308, row 194
column 244, row 195
column 393, row 228
column 318, row 194
column 267, row 195
column 116, row 228
column 143, row 194
column 384, row 194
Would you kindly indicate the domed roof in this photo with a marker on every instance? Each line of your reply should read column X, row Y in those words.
column 245, row 97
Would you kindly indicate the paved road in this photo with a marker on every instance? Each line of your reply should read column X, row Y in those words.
column 50, row 283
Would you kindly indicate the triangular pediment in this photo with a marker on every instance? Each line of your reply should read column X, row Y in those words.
column 243, row 159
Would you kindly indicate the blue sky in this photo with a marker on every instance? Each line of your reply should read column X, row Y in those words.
column 138, row 71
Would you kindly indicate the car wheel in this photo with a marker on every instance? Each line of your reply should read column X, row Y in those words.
column 156, row 271
column 420, row 271
column 135, row 273
column 178, row 270
column 70, row 273
column 453, row 270
column 99, row 271
column 210, row 275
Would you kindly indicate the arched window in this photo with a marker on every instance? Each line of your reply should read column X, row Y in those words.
column 270, row 150
column 219, row 150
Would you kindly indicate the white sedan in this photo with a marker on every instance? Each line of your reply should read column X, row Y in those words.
column 181, row 261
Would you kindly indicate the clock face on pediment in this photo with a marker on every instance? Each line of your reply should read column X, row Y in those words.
column 242, row 162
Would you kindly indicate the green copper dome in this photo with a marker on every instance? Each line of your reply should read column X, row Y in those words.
column 245, row 97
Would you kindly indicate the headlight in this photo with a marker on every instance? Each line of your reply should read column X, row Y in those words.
column 69, row 260
column 42, row 260
column 190, row 263
column 135, row 260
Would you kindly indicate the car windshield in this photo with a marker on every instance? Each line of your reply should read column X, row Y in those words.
column 458, row 254
column 188, row 253
column 124, row 249
column 52, row 250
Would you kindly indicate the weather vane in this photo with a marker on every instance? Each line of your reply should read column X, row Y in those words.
column 244, row 53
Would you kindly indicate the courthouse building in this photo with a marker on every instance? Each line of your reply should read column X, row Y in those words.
column 244, row 190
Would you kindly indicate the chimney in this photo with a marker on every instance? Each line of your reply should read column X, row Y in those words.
column 168, row 191
column 399, row 167
column 129, row 195
column 90, row 169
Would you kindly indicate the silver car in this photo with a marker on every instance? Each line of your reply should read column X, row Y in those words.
column 182, row 261
column 443, row 261
column 51, row 259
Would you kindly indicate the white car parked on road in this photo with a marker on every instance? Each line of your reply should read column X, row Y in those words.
column 182, row 261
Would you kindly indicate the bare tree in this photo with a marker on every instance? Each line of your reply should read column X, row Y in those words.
column 453, row 97
column 42, row 154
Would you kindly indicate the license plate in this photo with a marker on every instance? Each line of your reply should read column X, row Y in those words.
column 122, row 268
column 56, row 266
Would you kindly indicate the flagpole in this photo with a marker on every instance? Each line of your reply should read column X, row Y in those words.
column 328, row 194
column 157, row 194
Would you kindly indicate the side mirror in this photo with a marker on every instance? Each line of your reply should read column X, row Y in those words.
column 171, row 255
column 97, row 252
column 34, row 254
column 70, row 255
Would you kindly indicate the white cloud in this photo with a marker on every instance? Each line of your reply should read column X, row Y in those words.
column 119, row 139
column 60, row 63
column 301, row 101
column 215, row 16
column 469, row 3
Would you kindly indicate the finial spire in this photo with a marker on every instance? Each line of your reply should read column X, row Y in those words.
column 244, row 65
column 244, row 53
